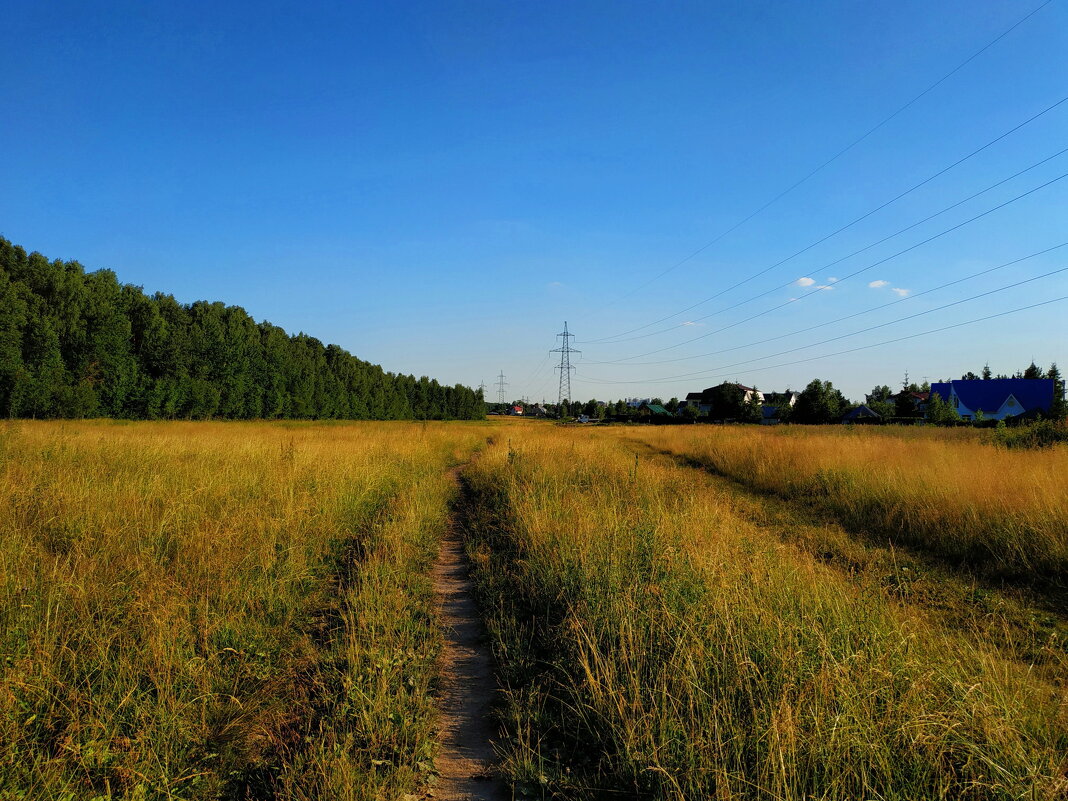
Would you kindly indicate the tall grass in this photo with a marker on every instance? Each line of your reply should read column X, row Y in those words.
column 211, row 611
column 947, row 492
column 654, row 644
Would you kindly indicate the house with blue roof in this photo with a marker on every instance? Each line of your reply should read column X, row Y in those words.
column 862, row 414
column 997, row 398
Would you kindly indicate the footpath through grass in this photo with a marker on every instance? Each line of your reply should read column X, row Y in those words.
column 656, row 644
column 220, row 611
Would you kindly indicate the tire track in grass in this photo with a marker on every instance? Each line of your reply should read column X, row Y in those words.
column 466, row 764
column 1023, row 625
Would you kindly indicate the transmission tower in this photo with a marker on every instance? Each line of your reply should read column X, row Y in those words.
column 500, row 388
column 565, row 367
column 482, row 389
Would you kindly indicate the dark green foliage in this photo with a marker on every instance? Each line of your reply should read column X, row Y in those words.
column 1058, row 410
column 1033, row 371
column 905, row 405
column 727, row 401
column 881, row 401
column 941, row 412
column 752, row 410
column 78, row 344
column 1038, row 434
column 820, row 402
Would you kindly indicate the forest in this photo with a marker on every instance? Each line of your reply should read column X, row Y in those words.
column 77, row 344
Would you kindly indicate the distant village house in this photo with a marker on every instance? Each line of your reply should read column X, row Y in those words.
column 997, row 398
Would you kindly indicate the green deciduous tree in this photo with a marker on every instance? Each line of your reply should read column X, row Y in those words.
column 76, row 344
column 941, row 412
column 819, row 402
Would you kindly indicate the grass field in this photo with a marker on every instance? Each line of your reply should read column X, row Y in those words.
column 244, row 610
column 657, row 643
column 948, row 492
column 219, row 610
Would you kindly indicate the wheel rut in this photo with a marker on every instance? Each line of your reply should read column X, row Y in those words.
column 466, row 764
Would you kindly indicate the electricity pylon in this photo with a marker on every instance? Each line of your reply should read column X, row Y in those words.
column 565, row 367
column 500, row 388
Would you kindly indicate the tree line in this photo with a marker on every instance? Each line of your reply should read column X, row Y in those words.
column 77, row 344
column 818, row 403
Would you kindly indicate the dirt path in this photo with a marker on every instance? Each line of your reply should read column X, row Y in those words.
column 466, row 761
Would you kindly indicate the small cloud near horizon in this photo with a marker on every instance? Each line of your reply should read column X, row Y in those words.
column 824, row 286
column 833, row 280
column 691, row 322
column 878, row 284
column 805, row 281
column 900, row 292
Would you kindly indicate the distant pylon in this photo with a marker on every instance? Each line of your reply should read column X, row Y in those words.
column 500, row 388
column 565, row 367
column 482, row 389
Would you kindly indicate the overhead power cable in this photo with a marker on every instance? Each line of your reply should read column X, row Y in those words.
column 846, row 317
column 526, row 384
column 850, row 350
column 897, row 233
column 943, row 307
column 839, row 154
column 853, row 274
column 614, row 338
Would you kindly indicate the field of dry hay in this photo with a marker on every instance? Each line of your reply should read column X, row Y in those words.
column 244, row 610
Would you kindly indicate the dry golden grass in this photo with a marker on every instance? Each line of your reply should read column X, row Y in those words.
column 656, row 644
column 243, row 610
column 947, row 492
column 219, row 610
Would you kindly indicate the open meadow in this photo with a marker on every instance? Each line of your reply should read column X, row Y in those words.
column 246, row 610
column 219, row 610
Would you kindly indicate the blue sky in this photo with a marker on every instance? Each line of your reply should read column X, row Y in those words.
column 438, row 186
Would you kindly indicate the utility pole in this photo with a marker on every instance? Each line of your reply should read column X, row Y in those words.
column 565, row 367
column 500, row 388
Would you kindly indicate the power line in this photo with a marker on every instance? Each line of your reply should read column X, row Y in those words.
column 873, row 327
column 848, row 316
column 845, row 227
column 859, row 348
column 842, row 258
column 848, row 255
column 852, row 274
column 839, row 154
column 537, row 370
column 565, row 366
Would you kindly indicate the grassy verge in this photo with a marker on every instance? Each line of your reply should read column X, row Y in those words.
column 1001, row 511
column 655, row 644
column 219, row 611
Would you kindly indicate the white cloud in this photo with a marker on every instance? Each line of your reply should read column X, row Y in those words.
column 878, row 284
column 805, row 282
column 554, row 284
column 691, row 322
column 824, row 286
column 900, row 292
column 832, row 280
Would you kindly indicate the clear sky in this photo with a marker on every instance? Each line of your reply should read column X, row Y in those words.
column 438, row 186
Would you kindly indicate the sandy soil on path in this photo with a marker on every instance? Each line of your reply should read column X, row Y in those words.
column 466, row 761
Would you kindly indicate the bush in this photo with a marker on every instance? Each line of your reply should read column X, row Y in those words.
column 1039, row 434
